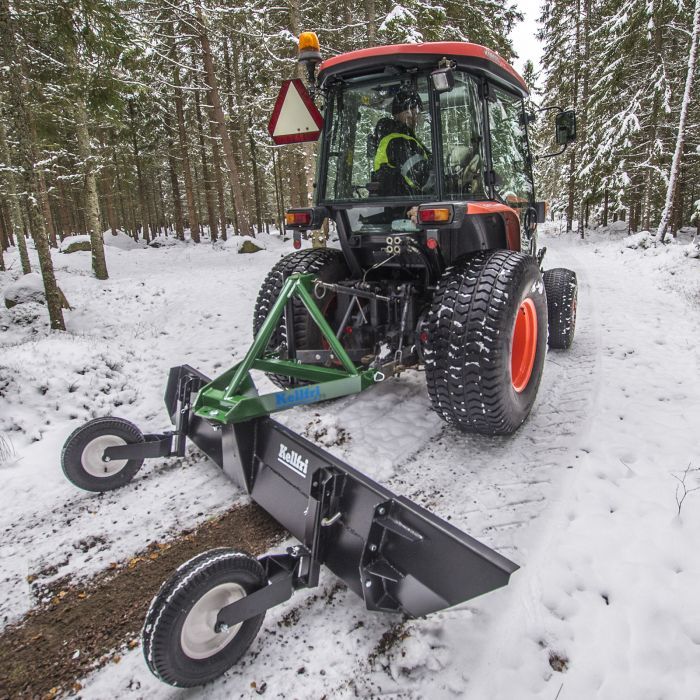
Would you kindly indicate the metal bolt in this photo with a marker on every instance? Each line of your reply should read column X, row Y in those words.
column 373, row 548
column 381, row 511
column 315, row 483
column 106, row 459
column 368, row 584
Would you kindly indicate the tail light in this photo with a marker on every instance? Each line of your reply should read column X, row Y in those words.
column 298, row 217
column 435, row 215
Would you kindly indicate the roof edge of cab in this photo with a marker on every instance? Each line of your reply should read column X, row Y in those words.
column 465, row 54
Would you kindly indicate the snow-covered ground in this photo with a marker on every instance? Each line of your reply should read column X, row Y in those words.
column 583, row 497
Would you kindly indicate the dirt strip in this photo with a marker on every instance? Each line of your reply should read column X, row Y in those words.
column 88, row 622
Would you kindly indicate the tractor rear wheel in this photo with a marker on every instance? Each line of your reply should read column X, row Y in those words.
column 181, row 643
column 487, row 338
column 328, row 265
column 562, row 293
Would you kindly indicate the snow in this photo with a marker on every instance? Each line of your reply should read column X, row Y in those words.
column 584, row 497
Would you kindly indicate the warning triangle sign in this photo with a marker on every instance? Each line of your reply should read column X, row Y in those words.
column 295, row 118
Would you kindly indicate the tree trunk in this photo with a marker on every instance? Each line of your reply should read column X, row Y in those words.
column 371, row 13
column 208, row 192
column 605, row 208
column 256, row 179
column 185, row 158
column 174, row 184
column 23, row 118
column 680, row 138
column 585, row 63
column 46, row 205
column 216, row 165
column 87, row 163
column 220, row 120
column 571, row 203
column 13, row 210
column 143, row 206
column 240, row 146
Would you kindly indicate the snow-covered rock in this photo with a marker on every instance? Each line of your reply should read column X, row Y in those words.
column 120, row 240
column 74, row 243
column 641, row 239
column 245, row 244
column 165, row 242
column 28, row 288
column 619, row 226
column 692, row 250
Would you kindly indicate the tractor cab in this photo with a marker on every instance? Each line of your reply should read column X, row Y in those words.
column 425, row 139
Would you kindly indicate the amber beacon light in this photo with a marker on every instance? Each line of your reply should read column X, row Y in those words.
column 309, row 48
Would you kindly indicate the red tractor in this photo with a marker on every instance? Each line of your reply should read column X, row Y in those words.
column 425, row 169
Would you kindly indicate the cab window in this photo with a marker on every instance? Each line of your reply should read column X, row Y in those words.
column 512, row 178
column 462, row 139
column 366, row 137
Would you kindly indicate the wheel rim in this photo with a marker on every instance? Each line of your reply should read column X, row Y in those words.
column 524, row 348
column 92, row 461
column 198, row 638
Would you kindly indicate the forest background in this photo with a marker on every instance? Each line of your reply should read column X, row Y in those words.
column 150, row 116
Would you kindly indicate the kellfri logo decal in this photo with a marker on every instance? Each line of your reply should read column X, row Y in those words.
column 293, row 460
column 296, row 396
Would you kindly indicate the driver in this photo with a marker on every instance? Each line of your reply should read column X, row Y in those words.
column 402, row 164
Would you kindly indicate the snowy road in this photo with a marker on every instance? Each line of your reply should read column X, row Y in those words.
column 582, row 497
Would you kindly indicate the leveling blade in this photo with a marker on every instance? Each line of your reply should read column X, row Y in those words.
column 397, row 556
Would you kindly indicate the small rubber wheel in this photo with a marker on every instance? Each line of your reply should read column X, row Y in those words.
column 81, row 457
column 561, row 287
column 487, row 342
column 180, row 643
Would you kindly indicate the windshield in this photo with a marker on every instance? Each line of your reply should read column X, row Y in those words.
column 379, row 144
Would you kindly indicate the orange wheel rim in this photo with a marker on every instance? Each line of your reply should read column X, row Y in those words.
column 524, row 348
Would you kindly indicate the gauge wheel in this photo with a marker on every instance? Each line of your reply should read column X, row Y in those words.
column 82, row 460
column 181, row 643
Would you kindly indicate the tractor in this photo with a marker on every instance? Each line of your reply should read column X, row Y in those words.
column 425, row 174
column 442, row 271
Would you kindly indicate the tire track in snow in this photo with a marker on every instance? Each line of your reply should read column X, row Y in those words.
column 499, row 491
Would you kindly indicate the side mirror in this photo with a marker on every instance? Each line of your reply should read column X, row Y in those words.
column 565, row 125
column 443, row 79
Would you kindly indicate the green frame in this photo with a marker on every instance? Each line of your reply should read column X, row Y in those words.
column 232, row 397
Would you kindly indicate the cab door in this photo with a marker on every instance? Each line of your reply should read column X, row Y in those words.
column 511, row 168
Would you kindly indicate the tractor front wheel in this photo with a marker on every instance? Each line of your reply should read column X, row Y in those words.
column 487, row 338
column 81, row 457
column 561, row 286
column 181, row 642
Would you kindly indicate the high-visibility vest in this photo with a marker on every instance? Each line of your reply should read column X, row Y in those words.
column 381, row 157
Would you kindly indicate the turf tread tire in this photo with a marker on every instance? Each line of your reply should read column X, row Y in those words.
column 470, row 329
column 328, row 265
column 561, row 287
